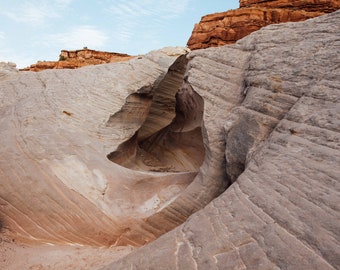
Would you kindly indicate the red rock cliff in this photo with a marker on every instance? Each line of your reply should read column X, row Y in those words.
column 79, row 58
column 307, row 5
column 227, row 27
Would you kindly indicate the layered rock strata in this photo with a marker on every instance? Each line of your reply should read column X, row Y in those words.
column 82, row 161
column 307, row 5
column 79, row 58
column 228, row 27
column 275, row 93
column 114, row 152
column 57, row 129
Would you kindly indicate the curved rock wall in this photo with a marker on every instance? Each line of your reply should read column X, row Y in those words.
column 282, row 135
column 170, row 138
column 57, row 128
column 228, row 27
column 70, row 124
column 262, row 113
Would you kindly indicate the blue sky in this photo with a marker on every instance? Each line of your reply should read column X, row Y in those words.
column 33, row 30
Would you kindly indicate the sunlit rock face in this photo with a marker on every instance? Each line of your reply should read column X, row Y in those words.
column 79, row 58
column 227, row 27
column 244, row 135
column 271, row 105
column 307, row 5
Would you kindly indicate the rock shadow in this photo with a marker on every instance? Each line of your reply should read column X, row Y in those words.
column 169, row 138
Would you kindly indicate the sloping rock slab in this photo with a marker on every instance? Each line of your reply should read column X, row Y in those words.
column 283, row 211
column 57, row 128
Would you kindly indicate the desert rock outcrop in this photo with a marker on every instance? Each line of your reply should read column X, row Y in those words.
column 227, row 27
column 64, row 123
column 281, row 152
column 307, row 5
column 79, row 58
column 245, row 135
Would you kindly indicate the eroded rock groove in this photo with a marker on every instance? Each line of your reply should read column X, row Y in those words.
column 280, row 212
column 169, row 138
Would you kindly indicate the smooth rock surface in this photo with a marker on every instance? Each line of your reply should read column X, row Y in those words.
column 272, row 109
column 57, row 130
column 7, row 69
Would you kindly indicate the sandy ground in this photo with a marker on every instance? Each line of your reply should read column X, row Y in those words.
column 14, row 256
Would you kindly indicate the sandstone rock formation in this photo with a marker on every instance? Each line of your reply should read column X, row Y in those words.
column 120, row 154
column 79, row 58
column 228, row 27
column 307, row 5
column 6, row 69
column 281, row 142
column 65, row 125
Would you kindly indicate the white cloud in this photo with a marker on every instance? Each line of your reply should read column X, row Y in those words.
column 8, row 54
column 20, row 59
column 79, row 37
column 63, row 3
column 148, row 15
column 35, row 12
column 168, row 9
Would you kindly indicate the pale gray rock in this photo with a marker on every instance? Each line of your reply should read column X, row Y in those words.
column 119, row 154
column 7, row 68
column 57, row 130
column 271, row 108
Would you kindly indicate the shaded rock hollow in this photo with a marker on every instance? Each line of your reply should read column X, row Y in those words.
column 170, row 138
column 64, row 147
column 268, row 126
column 281, row 153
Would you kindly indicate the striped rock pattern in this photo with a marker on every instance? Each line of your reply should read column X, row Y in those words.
column 272, row 109
column 227, row 27
column 58, row 130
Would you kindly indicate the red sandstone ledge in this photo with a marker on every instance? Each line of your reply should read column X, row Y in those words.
column 227, row 27
column 79, row 58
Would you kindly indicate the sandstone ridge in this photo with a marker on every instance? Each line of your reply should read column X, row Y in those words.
column 222, row 158
column 228, row 27
column 79, row 58
column 281, row 150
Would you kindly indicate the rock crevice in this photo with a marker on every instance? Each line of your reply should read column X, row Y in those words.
column 169, row 120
